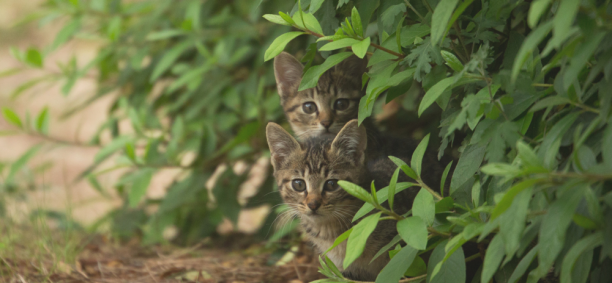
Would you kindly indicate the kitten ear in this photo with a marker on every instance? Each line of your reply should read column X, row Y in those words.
column 351, row 141
column 288, row 72
column 353, row 67
column 280, row 142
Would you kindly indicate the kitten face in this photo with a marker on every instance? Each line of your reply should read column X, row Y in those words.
column 326, row 108
column 307, row 173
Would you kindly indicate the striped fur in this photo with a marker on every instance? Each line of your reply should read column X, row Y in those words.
column 318, row 159
column 343, row 81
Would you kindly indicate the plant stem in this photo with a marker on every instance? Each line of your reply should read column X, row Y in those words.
column 542, row 85
column 415, row 11
column 472, row 257
column 458, row 30
column 425, row 186
column 401, row 56
column 585, row 107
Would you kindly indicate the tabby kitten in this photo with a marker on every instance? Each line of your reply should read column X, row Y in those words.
column 307, row 175
column 326, row 108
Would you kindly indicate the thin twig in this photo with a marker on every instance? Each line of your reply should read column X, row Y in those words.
column 415, row 11
column 371, row 44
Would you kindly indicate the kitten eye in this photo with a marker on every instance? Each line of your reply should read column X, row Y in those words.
column 341, row 104
column 298, row 185
column 331, row 185
column 309, row 107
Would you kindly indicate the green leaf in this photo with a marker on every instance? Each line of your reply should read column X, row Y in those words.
column 10, row 72
column 392, row 183
column 562, row 22
column 355, row 191
column 356, row 21
column 357, row 240
column 417, row 268
column 66, row 33
column 529, row 45
column 584, row 222
column 140, row 186
column 410, row 33
column 277, row 19
column 130, row 151
column 583, row 245
column 340, row 43
column 468, row 164
column 278, row 45
column 555, row 223
column 315, row 5
column 111, row 147
column 373, row 192
column 495, row 254
column 244, row 134
column 509, row 196
column 606, row 151
column 440, row 19
column 34, row 58
column 388, row 246
column 445, row 204
column 433, row 93
column 388, row 17
column 332, row 267
column 527, row 155
column 286, row 17
column 522, row 266
column 513, row 221
column 549, row 101
column 93, row 181
column 361, row 48
column 20, row 163
column 382, row 196
column 417, row 155
column 538, row 7
column 366, row 8
column 413, row 231
column 164, row 34
column 452, row 61
column 581, row 56
column 169, row 58
column 549, row 147
column 450, row 271
column 424, row 206
column 42, row 121
column 339, row 240
column 11, row 117
column 312, row 24
column 402, row 165
column 500, row 169
column 444, row 175
column 457, row 13
column 311, row 77
column 394, row 270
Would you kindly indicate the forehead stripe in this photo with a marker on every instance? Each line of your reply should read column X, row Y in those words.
column 292, row 108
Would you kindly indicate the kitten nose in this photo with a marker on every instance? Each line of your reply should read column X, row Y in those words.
column 314, row 204
column 326, row 123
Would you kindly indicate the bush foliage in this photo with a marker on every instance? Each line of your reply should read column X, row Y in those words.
column 521, row 90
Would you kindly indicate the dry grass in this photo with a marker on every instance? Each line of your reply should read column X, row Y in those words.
column 36, row 253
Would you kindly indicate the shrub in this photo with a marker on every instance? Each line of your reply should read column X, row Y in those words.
column 524, row 93
column 190, row 79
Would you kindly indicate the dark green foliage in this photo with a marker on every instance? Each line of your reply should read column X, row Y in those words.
column 522, row 90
